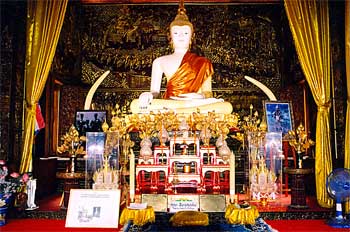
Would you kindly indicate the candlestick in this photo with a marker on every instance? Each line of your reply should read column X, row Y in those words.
column 132, row 176
column 232, row 177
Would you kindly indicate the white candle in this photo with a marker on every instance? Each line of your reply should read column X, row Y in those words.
column 132, row 176
column 232, row 177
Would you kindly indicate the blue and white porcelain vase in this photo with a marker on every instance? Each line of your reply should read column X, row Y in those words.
column 4, row 203
column 3, row 213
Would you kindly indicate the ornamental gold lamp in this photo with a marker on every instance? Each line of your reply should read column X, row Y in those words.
column 72, row 143
column 300, row 143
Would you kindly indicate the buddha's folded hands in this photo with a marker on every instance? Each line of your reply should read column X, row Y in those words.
column 192, row 95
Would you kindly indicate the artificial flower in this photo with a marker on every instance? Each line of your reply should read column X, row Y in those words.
column 10, row 184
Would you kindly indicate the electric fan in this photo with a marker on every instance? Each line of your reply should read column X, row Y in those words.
column 338, row 187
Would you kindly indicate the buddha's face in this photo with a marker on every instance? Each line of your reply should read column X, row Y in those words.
column 181, row 36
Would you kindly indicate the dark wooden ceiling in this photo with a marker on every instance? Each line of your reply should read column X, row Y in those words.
column 177, row 1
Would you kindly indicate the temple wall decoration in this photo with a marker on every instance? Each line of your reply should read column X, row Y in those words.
column 127, row 39
column 11, row 81
column 239, row 40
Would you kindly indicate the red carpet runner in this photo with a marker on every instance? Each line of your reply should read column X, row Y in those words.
column 31, row 225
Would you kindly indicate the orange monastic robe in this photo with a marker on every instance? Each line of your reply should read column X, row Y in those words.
column 190, row 76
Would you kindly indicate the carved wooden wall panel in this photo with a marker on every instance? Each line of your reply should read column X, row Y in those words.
column 339, row 76
column 126, row 39
column 72, row 99
column 239, row 40
column 80, row 39
column 11, row 80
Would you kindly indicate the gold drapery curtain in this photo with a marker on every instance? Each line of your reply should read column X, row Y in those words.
column 44, row 23
column 309, row 24
column 347, row 63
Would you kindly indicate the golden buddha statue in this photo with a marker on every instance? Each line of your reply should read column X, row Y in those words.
column 188, row 75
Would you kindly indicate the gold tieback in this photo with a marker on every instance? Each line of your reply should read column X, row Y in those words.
column 31, row 108
column 325, row 107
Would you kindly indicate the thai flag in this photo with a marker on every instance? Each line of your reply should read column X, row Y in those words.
column 39, row 120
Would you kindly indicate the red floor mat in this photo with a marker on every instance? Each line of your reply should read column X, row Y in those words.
column 302, row 225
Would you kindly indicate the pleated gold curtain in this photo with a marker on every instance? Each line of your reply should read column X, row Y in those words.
column 309, row 24
column 347, row 63
column 44, row 23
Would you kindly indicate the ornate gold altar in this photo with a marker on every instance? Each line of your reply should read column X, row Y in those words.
column 175, row 154
column 184, row 161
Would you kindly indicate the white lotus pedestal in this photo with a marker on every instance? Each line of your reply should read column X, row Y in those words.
column 298, row 195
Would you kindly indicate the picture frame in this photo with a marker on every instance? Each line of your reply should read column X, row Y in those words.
column 89, row 121
column 279, row 117
column 88, row 208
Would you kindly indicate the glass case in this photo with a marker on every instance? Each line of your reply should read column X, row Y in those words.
column 102, row 160
column 265, row 165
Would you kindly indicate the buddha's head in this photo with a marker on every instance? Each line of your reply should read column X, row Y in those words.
column 181, row 18
column 181, row 29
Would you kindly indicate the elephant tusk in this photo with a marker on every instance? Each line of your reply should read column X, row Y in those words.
column 92, row 90
column 263, row 87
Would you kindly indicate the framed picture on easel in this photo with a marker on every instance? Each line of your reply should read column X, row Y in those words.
column 279, row 116
column 89, row 120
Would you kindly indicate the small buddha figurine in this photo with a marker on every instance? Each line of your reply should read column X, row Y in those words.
column 184, row 149
column 145, row 151
column 262, row 176
column 183, row 127
column 188, row 75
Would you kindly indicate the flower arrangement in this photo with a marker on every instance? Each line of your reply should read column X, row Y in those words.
column 10, row 184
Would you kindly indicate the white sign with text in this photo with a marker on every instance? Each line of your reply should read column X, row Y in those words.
column 183, row 203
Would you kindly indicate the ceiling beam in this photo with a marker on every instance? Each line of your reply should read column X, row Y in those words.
column 177, row 1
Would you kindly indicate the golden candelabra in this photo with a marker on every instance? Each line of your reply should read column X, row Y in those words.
column 72, row 144
column 300, row 142
column 250, row 123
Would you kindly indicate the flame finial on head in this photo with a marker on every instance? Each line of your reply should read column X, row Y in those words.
column 181, row 18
